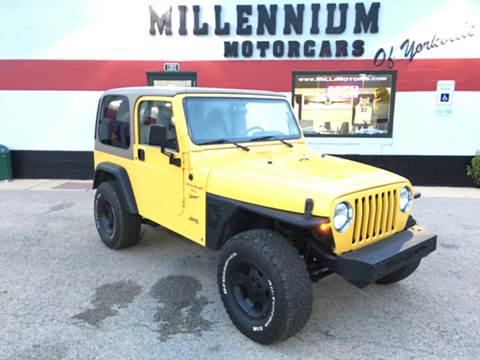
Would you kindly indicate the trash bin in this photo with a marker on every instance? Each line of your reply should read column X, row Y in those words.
column 5, row 164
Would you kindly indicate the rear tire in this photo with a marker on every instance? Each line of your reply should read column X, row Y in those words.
column 264, row 286
column 116, row 226
column 399, row 275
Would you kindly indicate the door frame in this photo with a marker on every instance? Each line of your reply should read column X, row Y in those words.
column 171, row 75
column 154, row 160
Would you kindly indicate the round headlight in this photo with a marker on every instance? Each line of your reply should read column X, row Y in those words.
column 405, row 199
column 342, row 216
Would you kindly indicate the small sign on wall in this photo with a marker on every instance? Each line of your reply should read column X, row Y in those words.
column 445, row 90
column 171, row 67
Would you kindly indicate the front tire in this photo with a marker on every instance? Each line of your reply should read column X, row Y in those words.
column 399, row 274
column 116, row 226
column 264, row 286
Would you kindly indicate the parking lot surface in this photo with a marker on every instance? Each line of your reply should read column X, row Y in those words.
column 64, row 295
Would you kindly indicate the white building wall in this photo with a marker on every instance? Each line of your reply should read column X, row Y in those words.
column 118, row 30
column 64, row 120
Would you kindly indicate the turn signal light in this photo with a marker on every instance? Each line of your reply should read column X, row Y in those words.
column 324, row 228
column 323, row 232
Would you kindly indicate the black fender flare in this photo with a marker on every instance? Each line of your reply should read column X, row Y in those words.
column 220, row 211
column 121, row 177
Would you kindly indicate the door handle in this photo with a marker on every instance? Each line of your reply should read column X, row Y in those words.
column 141, row 154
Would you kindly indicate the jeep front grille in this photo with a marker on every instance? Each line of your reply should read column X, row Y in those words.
column 375, row 216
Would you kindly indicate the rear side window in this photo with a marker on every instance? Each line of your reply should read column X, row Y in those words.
column 114, row 122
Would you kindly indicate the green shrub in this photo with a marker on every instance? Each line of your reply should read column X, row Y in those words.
column 474, row 170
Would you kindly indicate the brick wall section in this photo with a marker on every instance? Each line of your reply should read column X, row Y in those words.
column 52, row 164
column 422, row 170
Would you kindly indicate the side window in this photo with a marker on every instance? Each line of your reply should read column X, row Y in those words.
column 157, row 113
column 114, row 122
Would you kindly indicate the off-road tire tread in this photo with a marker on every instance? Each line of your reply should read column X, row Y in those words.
column 289, row 267
column 398, row 275
column 128, row 225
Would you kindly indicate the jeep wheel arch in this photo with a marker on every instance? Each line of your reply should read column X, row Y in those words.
column 107, row 171
column 226, row 217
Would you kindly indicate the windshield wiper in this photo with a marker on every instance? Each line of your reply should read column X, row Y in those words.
column 225, row 141
column 272, row 137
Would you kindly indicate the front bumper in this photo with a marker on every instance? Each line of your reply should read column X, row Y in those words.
column 368, row 264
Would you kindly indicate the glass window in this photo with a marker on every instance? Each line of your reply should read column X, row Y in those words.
column 114, row 122
column 157, row 113
column 345, row 103
column 223, row 119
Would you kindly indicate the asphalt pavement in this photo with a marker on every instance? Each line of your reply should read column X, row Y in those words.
column 64, row 295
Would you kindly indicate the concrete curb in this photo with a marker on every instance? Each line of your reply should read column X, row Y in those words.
column 448, row 192
column 45, row 184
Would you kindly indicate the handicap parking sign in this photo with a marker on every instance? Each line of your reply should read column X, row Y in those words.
column 445, row 91
column 444, row 97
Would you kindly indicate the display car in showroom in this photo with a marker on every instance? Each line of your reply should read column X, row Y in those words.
column 230, row 170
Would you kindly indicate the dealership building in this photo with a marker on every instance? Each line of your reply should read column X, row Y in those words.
column 395, row 84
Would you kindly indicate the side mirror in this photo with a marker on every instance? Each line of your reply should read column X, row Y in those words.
column 158, row 136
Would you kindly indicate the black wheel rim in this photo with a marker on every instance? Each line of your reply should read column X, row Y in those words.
column 106, row 216
column 251, row 289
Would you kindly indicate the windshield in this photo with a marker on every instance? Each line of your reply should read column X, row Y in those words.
column 223, row 119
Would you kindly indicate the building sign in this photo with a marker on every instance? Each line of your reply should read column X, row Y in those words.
column 344, row 103
column 445, row 90
column 287, row 21
column 171, row 67
column 410, row 48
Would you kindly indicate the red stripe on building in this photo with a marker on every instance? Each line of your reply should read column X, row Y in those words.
column 276, row 75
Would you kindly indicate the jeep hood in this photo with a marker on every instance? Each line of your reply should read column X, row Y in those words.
column 285, row 181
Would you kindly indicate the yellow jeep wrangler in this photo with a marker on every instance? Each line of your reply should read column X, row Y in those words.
column 230, row 170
